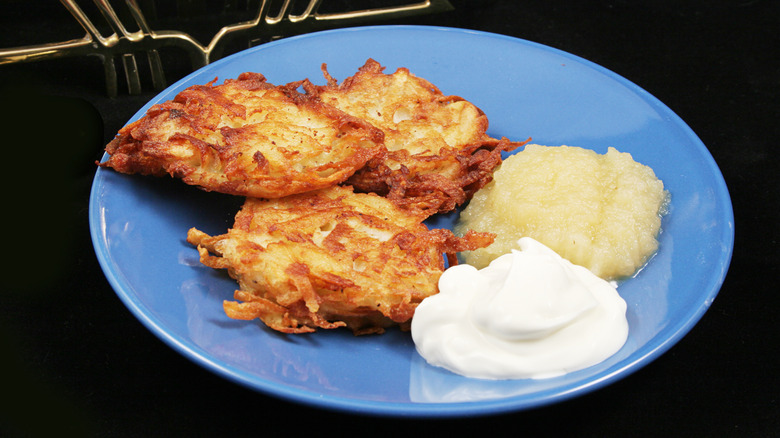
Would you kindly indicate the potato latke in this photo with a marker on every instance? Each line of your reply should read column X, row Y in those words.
column 438, row 151
column 246, row 137
column 330, row 258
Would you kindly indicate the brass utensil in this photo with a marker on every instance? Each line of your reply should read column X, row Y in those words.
column 123, row 45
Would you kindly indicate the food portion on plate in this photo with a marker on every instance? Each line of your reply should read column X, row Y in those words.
column 330, row 258
column 438, row 151
column 338, row 179
column 600, row 211
column 308, row 250
column 246, row 137
column 528, row 314
column 542, row 300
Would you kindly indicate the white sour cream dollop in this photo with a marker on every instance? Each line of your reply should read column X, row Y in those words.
column 529, row 314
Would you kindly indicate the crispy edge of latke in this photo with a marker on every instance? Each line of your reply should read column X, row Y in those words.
column 432, row 192
column 249, row 306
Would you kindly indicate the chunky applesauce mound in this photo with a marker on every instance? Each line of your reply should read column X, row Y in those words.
column 598, row 211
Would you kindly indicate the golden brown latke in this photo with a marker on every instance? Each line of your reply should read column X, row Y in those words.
column 330, row 258
column 438, row 151
column 246, row 137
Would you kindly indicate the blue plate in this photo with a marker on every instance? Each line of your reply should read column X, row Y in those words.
column 139, row 225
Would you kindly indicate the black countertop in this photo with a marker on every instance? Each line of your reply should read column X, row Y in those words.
column 76, row 360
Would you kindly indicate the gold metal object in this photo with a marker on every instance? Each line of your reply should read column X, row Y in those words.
column 123, row 45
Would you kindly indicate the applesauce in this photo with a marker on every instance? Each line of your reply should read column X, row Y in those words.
column 600, row 211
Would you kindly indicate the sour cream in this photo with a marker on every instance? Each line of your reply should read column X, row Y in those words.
column 529, row 314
